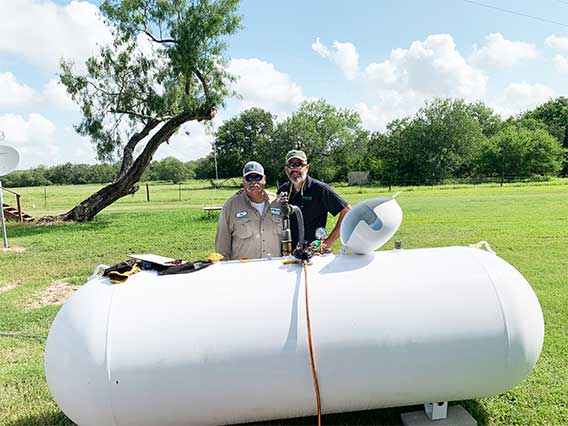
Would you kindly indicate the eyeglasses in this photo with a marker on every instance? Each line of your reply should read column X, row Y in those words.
column 253, row 178
column 294, row 165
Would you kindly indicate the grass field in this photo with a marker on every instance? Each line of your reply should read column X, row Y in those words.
column 526, row 224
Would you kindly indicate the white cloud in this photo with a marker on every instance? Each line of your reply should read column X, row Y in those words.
column 44, row 32
column 55, row 95
column 558, row 43
column 502, row 53
column 13, row 93
column 561, row 63
column 345, row 56
column 191, row 142
column 433, row 67
column 392, row 104
column 261, row 85
column 429, row 68
column 34, row 138
column 519, row 97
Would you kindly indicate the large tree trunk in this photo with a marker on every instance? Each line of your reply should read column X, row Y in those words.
column 126, row 182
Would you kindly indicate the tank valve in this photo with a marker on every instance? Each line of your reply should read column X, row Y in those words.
column 303, row 252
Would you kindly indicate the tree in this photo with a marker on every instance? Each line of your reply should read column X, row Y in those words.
column 489, row 122
column 169, row 169
column 132, row 100
column 328, row 135
column 517, row 151
column 243, row 138
column 554, row 114
column 438, row 143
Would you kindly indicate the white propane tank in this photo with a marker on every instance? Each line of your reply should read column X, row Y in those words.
column 370, row 224
column 227, row 344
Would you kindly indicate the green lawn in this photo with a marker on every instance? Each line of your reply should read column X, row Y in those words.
column 526, row 224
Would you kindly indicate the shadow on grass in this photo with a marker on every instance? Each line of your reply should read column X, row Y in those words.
column 386, row 417
column 51, row 419
column 477, row 410
column 210, row 216
column 27, row 230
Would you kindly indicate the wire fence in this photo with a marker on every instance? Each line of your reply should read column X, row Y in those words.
column 211, row 194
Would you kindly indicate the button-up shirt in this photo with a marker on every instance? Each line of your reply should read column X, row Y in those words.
column 243, row 233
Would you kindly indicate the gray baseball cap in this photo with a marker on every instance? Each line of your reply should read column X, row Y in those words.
column 253, row 167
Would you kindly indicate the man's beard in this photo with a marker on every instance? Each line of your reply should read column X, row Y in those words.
column 298, row 179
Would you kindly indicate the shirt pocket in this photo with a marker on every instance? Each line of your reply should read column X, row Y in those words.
column 276, row 222
column 244, row 229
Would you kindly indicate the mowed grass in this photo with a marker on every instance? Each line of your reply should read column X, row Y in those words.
column 526, row 224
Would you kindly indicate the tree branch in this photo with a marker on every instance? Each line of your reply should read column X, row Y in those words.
column 157, row 40
column 131, row 145
column 136, row 114
column 203, row 83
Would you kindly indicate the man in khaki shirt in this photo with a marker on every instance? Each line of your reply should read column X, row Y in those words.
column 250, row 224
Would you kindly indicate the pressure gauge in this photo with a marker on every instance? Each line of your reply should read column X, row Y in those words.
column 321, row 233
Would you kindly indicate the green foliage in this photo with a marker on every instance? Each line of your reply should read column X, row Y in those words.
column 518, row 151
column 31, row 177
column 64, row 174
column 167, row 59
column 330, row 137
column 489, row 122
column 554, row 114
column 440, row 142
column 205, row 167
column 243, row 138
column 169, row 169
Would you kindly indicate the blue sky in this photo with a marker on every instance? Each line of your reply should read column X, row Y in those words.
column 380, row 58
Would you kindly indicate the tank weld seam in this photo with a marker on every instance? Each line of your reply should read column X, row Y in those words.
column 107, row 353
column 501, row 308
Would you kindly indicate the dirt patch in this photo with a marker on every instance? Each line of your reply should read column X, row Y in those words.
column 5, row 286
column 56, row 294
column 12, row 250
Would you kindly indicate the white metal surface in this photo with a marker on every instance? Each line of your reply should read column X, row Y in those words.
column 227, row 344
column 9, row 159
column 370, row 224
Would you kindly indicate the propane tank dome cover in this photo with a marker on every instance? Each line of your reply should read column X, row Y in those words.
column 370, row 224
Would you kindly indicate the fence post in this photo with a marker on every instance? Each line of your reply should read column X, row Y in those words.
column 180, row 191
column 19, row 204
column 2, row 218
column 147, row 193
column 45, row 197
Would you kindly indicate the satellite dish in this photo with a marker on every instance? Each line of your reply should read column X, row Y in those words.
column 9, row 159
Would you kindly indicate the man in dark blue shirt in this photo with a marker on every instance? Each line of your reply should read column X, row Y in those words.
column 315, row 198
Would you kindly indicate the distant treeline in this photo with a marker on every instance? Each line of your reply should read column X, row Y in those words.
column 168, row 170
column 446, row 140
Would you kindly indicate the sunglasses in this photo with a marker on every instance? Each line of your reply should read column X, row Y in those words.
column 253, row 178
column 295, row 165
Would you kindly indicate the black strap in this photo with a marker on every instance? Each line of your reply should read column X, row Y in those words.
column 186, row 268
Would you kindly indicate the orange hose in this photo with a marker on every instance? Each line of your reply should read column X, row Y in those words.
column 311, row 346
